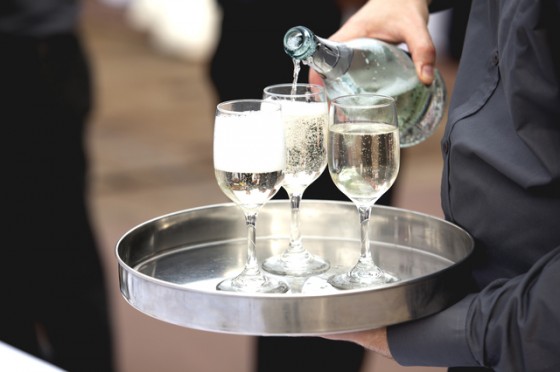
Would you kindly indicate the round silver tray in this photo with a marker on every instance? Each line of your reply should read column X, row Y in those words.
column 169, row 267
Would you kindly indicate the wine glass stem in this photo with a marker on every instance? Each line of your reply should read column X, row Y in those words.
column 252, row 265
column 366, row 257
column 295, row 233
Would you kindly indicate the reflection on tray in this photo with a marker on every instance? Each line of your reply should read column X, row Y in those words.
column 202, row 267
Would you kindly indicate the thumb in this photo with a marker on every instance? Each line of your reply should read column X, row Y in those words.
column 423, row 53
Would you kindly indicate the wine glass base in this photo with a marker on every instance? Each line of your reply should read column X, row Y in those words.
column 350, row 280
column 301, row 264
column 259, row 284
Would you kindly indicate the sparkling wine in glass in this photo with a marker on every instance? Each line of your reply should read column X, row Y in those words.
column 249, row 162
column 363, row 161
column 305, row 115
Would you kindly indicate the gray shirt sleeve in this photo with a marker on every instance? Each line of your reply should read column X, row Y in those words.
column 511, row 325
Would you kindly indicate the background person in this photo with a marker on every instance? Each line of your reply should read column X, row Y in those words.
column 249, row 56
column 54, row 302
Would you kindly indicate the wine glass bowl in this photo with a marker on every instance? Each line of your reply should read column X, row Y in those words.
column 363, row 161
column 249, row 161
column 305, row 116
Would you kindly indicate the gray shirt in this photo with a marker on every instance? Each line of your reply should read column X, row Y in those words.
column 501, row 182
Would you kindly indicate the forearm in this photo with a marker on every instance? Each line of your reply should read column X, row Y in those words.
column 511, row 325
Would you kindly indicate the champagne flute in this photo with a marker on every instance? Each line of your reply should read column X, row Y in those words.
column 363, row 161
column 249, row 162
column 305, row 113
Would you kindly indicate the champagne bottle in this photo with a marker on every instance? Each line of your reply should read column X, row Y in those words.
column 373, row 66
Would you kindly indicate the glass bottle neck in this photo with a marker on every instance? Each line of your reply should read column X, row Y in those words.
column 331, row 59
column 328, row 58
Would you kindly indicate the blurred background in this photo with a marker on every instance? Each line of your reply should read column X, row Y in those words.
column 150, row 145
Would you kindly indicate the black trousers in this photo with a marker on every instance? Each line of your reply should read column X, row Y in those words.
column 54, row 301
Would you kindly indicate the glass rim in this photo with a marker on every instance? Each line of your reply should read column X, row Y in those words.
column 276, row 106
column 346, row 100
column 320, row 90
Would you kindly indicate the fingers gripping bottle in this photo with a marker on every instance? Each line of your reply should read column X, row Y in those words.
column 373, row 66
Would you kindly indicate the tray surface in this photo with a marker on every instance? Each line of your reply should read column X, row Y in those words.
column 169, row 267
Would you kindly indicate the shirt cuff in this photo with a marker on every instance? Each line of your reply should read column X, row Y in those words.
column 439, row 340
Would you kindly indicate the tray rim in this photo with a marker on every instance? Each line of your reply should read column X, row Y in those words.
column 282, row 297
